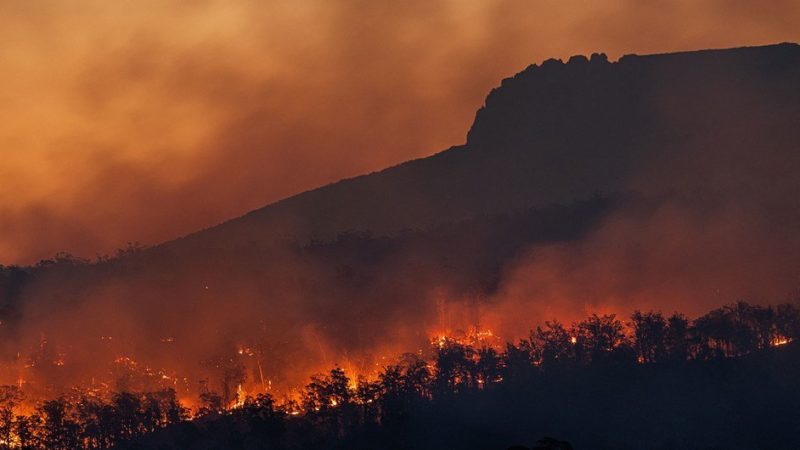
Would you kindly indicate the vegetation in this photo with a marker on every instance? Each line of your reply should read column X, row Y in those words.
column 418, row 403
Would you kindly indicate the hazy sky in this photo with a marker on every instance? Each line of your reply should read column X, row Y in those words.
column 145, row 120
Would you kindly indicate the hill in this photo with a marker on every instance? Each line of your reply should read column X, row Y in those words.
column 661, row 181
column 558, row 133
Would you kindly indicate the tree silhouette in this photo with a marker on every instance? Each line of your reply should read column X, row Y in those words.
column 10, row 397
column 59, row 431
column 787, row 321
column 600, row 336
column 553, row 346
column 454, row 367
column 676, row 340
column 650, row 333
column 416, row 378
column 26, row 429
column 519, row 366
column 329, row 398
column 488, row 367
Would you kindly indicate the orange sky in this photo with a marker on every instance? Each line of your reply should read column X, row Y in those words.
column 144, row 120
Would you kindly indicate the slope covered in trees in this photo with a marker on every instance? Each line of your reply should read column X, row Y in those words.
column 728, row 379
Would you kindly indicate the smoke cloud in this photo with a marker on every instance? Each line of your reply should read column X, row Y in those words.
column 145, row 121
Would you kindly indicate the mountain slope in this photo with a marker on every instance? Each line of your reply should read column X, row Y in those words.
column 556, row 133
column 656, row 182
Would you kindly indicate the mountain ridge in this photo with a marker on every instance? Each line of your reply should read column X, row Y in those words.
column 419, row 199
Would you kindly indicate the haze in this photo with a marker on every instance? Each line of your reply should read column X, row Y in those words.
column 142, row 121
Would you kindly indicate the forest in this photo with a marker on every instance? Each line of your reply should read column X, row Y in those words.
column 728, row 379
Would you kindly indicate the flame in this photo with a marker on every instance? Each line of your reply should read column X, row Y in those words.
column 42, row 376
column 778, row 341
column 240, row 397
column 475, row 337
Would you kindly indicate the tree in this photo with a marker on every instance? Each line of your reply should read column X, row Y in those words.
column 416, row 378
column 787, row 322
column 676, row 340
column 392, row 403
column 10, row 397
column 211, row 401
column 262, row 418
column 97, row 421
column 171, row 407
column 454, row 366
column 59, row 430
column 650, row 332
column 732, row 330
column 367, row 396
column 488, row 367
column 553, row 346
column 329, row 398
column 600, row 336
column 27, row 430
column 128, row 415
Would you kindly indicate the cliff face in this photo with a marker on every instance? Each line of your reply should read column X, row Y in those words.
column 560, row 132
column 595, row 97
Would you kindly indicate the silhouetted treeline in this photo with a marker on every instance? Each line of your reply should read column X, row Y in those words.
column 85, row 420
column 679, row 384
column 474, row 249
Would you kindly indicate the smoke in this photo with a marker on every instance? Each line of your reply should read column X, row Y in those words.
column 715, row 221
column 113, row 113
column 143, row 122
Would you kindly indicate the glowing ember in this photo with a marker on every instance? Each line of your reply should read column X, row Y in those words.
column 778, row 341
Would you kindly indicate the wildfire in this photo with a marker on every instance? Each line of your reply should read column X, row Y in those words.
column 778, row 341
column 125, row 360
column 240, row 397
column 242, row 369
column 247, row 351
column 475, row 337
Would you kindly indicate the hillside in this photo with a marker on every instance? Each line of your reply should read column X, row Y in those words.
column 654, row 182
column 557, row 133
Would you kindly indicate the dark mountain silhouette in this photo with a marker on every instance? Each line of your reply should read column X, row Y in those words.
column 557, row 133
